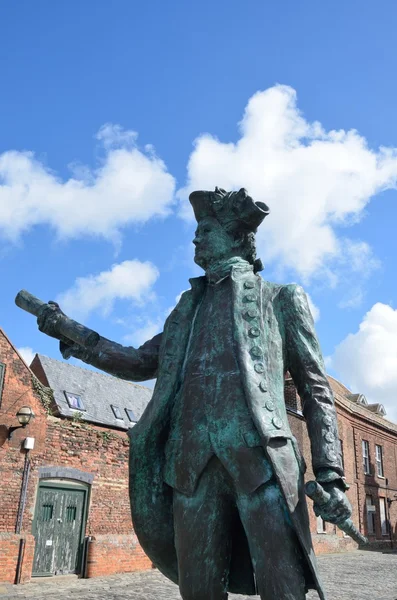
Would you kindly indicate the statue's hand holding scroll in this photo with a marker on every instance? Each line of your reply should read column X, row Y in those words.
column 48, row 319
column 48, row 323
column 53, row 321
column 338, row 507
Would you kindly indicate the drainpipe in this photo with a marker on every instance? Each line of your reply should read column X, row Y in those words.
column 22, row 498
column 21, row 509
column 21, row 554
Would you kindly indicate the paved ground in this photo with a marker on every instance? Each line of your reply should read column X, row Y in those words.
column 350, row 576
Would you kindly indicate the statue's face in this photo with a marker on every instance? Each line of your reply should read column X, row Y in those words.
column 212, row 243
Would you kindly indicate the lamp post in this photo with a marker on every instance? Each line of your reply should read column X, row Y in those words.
column 24, row 415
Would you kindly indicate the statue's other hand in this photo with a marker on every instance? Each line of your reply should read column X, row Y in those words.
column 67, row 350
column 338, row 507
column 48, row 318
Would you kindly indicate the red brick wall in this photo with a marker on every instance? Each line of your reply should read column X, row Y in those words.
column 374, row 485
column 59, row 442
column 10, row 545
column 17, row 392
column 109, row 554
column 333, row 540
column 352, row 430
column 103, row 453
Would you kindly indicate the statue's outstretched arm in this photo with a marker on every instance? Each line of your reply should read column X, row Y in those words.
column 80, row 342
column 125, row 362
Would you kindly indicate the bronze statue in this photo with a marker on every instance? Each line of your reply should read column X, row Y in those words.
column 216, row 476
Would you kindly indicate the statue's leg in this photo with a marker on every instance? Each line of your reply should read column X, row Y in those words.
column 202, row 525
column 274, row 547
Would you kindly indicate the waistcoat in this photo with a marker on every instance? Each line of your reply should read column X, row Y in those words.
column 210, row 415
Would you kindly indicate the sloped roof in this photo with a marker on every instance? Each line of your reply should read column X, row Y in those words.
column 377, row 408
column 97, row 391
column 344, row 397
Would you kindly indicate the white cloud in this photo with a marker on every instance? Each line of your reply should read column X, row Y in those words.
column 145, row 333
column 313, row 180
column 313, row 308
column 367, row 360
column 27, row 354
column 130, row 185
column 129, row 280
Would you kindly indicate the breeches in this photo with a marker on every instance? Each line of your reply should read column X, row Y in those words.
column 203, row 538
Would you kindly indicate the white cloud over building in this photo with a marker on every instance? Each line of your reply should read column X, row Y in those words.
column 366, row 361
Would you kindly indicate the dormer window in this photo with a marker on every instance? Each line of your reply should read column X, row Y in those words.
column 75, row 401
column 131, row 415
column 116, row 412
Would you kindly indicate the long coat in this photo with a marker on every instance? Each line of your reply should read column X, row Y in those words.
column 278, row 320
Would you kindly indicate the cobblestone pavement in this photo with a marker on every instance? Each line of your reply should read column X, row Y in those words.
column 351, row 576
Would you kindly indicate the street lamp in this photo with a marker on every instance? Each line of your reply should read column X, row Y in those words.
column 24, row 415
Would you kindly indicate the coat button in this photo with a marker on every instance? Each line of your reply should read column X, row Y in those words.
column 277, row 422
column 256, row 351
column 249, row 285
column 254, row 332
column 263, row 386
column 270, row 405
column 329, row 437
column 252, row 313
column 259, row 367
column 327, row 421
column 250, row 298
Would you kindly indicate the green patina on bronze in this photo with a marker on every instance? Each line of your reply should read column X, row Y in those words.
column 220, row 364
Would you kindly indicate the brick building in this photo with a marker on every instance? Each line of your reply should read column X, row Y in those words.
column 73, row 485
column 369, row 451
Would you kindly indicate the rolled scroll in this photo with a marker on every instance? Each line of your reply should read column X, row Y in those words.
column 66, row 329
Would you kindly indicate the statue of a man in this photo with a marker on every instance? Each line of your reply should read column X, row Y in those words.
column 216, row 476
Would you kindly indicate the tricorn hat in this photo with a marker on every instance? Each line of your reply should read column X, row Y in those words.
column 234, row 210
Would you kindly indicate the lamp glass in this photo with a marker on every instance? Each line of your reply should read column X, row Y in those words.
column 24, row 415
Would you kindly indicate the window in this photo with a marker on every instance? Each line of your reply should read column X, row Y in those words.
column 379, row 460
column 74, row 401
column 370, row 515
column 383, row 519
column 47, row 510
column 321, row 525
column 131, row 415
column 71, row 513
column 116, row 412
column 2, row 370
column 366, row 464
column 341, row 454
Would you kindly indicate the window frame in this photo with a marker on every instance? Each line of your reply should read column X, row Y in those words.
column 2, row 377
column 127, row 410
column 370, row 515
column 366, row 459
column 81, row 408
column 379, row 461
column 384, row 523
column 117, row 411
column 341, row 453
column 321, row 525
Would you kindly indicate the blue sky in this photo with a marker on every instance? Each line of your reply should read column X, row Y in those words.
column 111, row 112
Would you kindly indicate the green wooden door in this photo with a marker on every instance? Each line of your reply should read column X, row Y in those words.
column 58, row 530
